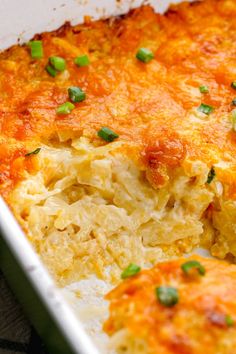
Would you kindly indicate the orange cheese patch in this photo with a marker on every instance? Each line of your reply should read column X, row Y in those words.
column 198, row 323
column 150, row 105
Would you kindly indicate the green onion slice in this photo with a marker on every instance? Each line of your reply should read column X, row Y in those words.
column 145, row 55
column 82, row 60
column 229, row 321
column 233, row 114
column 204, row 89
column 187, row 266
column 36, row 48
column 233, row 85
column 204, row 108
column 130, row 271
column 57, row 63
column 107, row 134
column 35, row 152
column 167, row 295
column 233, row 102
column 65, row 108
column 51, row 71
column 211, row 175
column 76, row 94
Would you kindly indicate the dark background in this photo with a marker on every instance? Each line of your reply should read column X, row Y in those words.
column 17, row 336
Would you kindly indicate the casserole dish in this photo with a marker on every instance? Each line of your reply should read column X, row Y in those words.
column 112, row 166
column 48, row 311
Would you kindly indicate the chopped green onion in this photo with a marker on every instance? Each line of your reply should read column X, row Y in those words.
column 76, row 94
column 233, row 102
column 211, row 175
column 233, row 85
column 233, row 114
column 107, row 134
column 65, row 108
column 130, row 271
column 204, row 108
column 57, row 63
column 36, row 48
column 51, row 71
column 203, row 89
column 167, row 295
column 82, row 60
column 187, row 266
column 35, row 152
column 229, row 321
column 145, row 55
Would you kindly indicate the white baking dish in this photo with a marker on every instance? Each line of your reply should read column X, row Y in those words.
column 54, row 319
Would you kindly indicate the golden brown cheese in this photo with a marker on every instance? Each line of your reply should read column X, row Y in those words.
column 147, row 104
column 80, row 195
column 196, row 324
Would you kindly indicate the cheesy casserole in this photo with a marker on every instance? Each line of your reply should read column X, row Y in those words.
column 137, row 161
column 194, row 314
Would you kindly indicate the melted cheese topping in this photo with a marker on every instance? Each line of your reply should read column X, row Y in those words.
column 146, row 198
column 197, row 324
column 153, row 106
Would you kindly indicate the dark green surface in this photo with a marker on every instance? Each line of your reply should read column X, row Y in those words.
column 31, row 303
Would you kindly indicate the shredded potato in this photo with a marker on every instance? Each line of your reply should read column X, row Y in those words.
column 88, row 200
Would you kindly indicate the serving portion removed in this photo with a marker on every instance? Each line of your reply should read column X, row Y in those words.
column 118, row 143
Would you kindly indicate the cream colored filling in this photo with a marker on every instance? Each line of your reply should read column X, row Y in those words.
column 92, row 207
